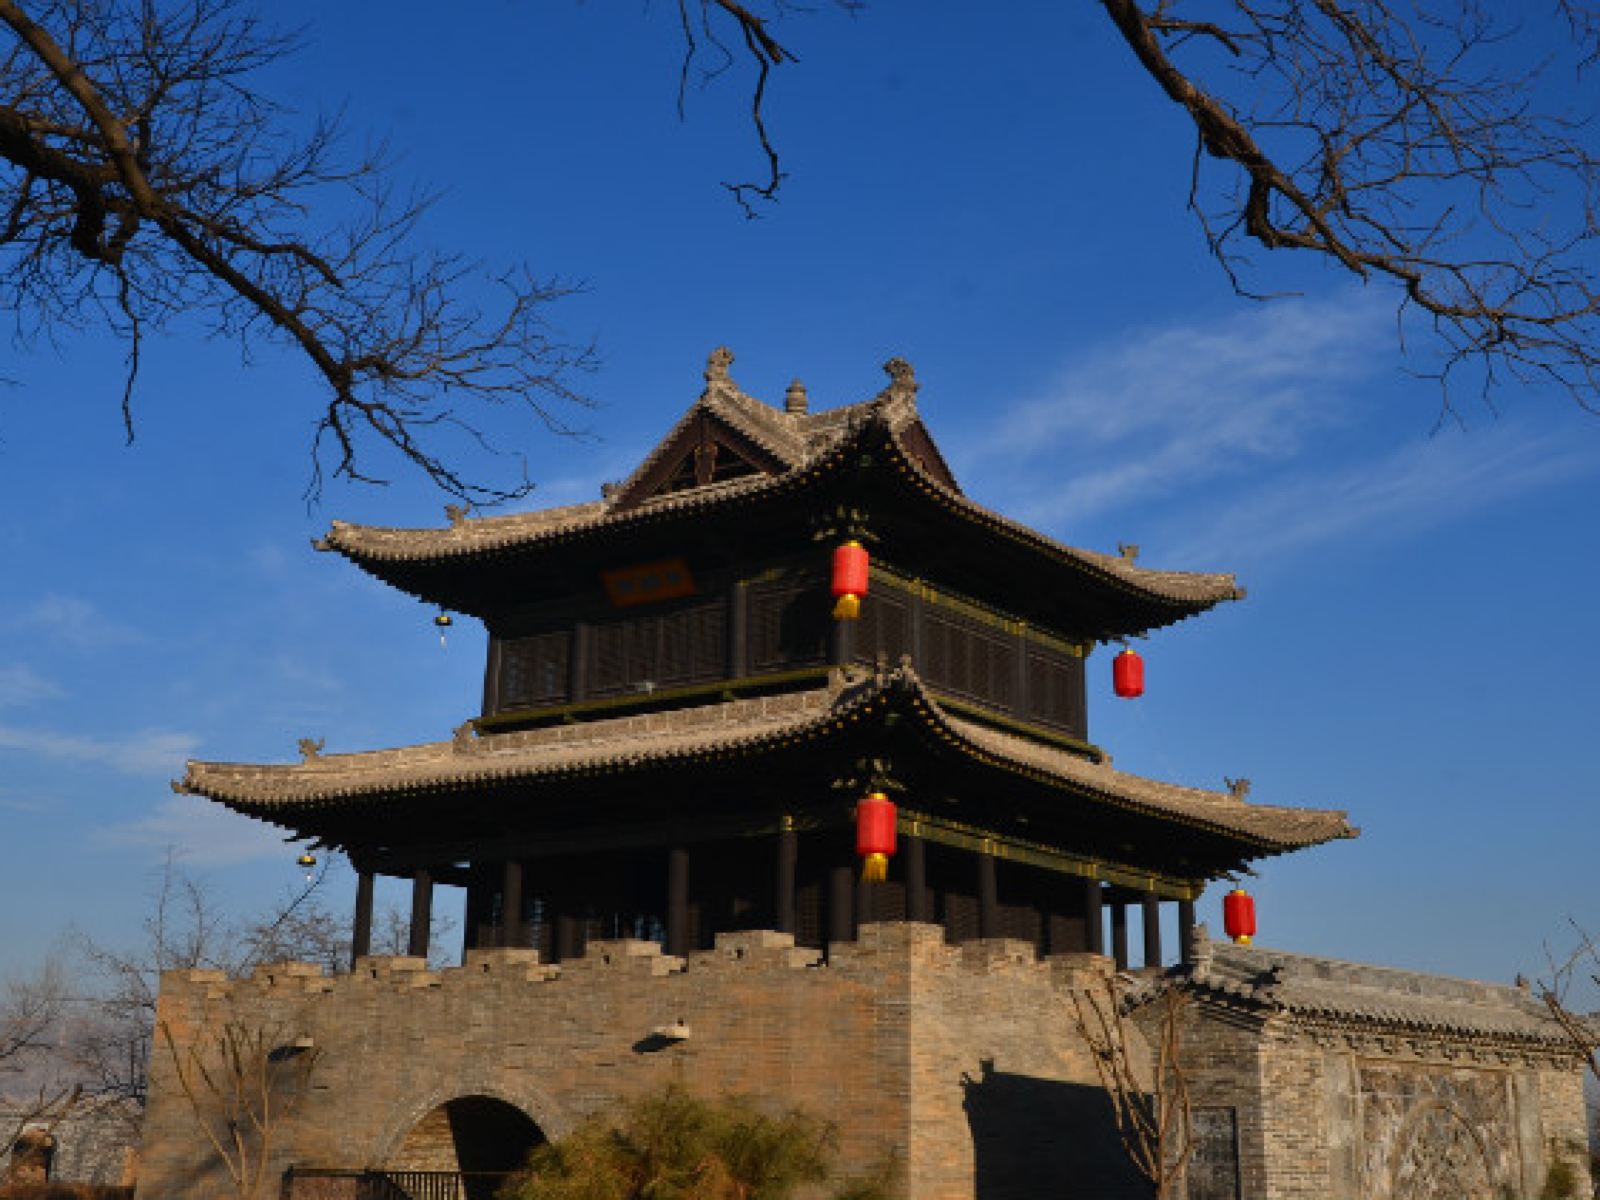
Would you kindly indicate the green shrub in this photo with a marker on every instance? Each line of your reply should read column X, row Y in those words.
column 673, row 1145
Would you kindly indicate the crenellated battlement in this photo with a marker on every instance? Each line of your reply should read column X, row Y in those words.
column 878, row 948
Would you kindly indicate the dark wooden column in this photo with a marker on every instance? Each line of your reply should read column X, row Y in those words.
column 916, row 852
column 842, row 640
column 361, row 934
column 841, row 901
column 1186, row 931
column 1152, row 929
column 421, row 913
column 783, row 887
column 678, row 901
column 478, row 913
column 988, row 896
column 1094, row 917
column 511, row 931
column 566, row 939
column 1119, row 934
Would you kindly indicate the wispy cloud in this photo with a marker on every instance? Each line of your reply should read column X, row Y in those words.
column 77, row 623
column 10, row 802
column 1417, row 487
column 1165, row 409
column 204, row 833
column 21, row 686
column 148, row 752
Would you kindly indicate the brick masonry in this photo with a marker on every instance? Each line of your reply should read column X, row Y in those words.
column 964, row 1062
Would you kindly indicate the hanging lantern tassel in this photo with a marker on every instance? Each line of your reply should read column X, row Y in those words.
column 1239, row 916
column 308, row 864
column 875, row 817
column 1127, row 674
column 443, row 623
column 850, row 571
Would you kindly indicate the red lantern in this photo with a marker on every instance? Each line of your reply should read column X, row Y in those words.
column 850, row 569
column 875, row 818
column 1127, row 674
column 1239, row 916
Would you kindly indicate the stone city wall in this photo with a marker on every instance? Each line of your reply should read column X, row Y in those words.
column 966, row 1063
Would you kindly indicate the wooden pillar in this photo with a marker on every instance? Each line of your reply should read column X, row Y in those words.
column 843, row 639
column 678, row 901
column 421, row 913
column 783, row 893
column 841, row 900
column 1119, row 934
column 1186, row 931
column 988, row 896
column 1152, row 929
column 361, row 934
column 916, row 852
column 566, row 939
column 511, row 930
column 1094, row 917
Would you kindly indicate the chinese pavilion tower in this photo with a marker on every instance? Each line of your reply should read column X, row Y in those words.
column 677, row 728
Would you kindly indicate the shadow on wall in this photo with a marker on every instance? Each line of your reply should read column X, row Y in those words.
column 1037, row 1137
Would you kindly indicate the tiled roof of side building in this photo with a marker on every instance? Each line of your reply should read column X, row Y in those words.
column 1359, row 995
column 729, row 729
column 798, row 443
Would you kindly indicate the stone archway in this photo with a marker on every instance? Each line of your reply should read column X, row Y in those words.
column 473, row 1134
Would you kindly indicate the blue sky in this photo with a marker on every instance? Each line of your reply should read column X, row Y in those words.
column 999, row 202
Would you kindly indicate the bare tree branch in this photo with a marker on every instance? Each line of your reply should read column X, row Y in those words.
column 142, row 179
column 1418, row 143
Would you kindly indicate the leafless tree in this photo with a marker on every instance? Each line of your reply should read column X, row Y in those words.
column 241, row 1083
column 1426, row 144
column 144, row 178
column 1148, row 1092
column 37, row 1089
column 188, row 928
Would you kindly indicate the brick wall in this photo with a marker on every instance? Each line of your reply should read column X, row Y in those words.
column 965, row 1063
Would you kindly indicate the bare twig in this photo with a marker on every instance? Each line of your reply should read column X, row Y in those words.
column 143, row 180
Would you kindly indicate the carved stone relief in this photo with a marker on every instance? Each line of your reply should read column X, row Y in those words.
column 1429, row 1132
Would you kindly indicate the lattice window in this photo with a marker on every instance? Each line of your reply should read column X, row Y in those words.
column 966, row 657
column 885, row 626
column 788, row 625
column 1055, row 689
column 659, row 650
column 534, row 670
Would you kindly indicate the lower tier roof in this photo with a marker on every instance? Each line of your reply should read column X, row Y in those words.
column 783, row 736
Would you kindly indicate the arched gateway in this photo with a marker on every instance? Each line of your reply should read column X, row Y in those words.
column 481, row 1138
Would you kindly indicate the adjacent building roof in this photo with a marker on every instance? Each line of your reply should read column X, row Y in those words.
column 1329, row 991
column 292, row 794
column 786, row 449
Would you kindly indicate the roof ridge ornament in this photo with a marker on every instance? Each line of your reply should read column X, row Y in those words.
column 902, row 380
column 717, row 364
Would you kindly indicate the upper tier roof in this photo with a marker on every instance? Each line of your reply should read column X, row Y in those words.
column 775, row 453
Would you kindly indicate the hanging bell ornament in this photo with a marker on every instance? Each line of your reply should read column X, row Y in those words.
column 442, row 622
column 307, row 862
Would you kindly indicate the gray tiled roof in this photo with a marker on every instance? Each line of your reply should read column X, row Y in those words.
column 1381, row 999
column 733, row 728
column 798, row 443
